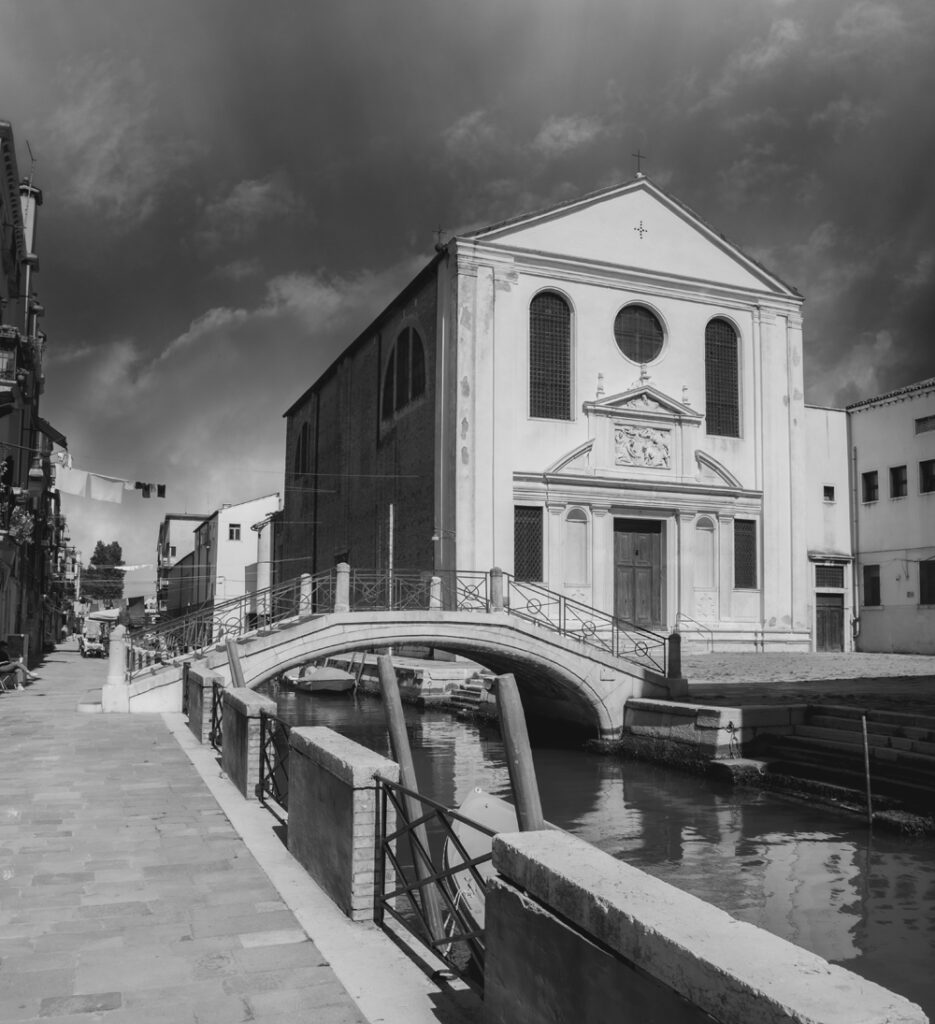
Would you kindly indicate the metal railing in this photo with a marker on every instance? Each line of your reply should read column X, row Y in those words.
column 385, row 591
column 274, row 759
column 461, row 947
column 216, row 735
column 304, row 595
column 458, row 590
column 695, row 627
column 536, row 603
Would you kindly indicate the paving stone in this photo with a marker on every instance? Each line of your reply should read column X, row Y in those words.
column 116, row 863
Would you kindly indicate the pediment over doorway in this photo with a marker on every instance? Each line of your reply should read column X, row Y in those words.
column 645, row 403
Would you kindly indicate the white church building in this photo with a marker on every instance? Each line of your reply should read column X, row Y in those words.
column 606, row 396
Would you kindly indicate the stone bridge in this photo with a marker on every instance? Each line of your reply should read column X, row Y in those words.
column 571, row 663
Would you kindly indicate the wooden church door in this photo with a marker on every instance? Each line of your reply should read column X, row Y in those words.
column 638, row 566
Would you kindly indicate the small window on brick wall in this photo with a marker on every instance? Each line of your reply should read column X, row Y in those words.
column 927, row 476
column 870, row 486
column 871, row 593
column 527, row 543
column 745, row 554
column 927, row 582
column 899, row 486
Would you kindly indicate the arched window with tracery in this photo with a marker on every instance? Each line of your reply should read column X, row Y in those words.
column 722, row 379
column 404, row 375
column 549, row 357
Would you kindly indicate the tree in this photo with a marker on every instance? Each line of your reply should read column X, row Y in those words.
column 101, row 581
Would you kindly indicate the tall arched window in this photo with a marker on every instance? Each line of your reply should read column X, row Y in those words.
column 404, row 376
column 721, row 379
column 549, row 357
column 303, row 448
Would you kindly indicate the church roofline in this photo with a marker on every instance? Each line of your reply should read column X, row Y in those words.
column 414, row 283
column 641, row 181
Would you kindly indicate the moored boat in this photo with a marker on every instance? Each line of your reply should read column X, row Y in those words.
column 467, row 893
column 325, row 679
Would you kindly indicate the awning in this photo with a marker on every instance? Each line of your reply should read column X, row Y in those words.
column 51, row 433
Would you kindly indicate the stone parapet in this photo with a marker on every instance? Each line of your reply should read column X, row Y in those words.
column 240, row 756
column 199, row 696
column 563, row 909
column 333, row 815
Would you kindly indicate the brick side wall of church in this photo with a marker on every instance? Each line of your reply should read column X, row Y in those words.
column 361, row 464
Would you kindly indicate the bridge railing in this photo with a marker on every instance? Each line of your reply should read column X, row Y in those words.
column 571, row 618
column 389, row 591
column 216, row 735
column 303, row 595
column 400, row 888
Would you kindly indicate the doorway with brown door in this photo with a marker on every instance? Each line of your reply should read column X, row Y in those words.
column 639, row 571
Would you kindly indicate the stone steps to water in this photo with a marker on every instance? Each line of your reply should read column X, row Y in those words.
column 876, row 741
column 828, row 747
column 851, row 783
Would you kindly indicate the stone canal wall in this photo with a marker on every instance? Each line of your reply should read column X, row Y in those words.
column 575, row 934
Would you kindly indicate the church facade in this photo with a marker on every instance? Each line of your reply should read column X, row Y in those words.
column 606, row 397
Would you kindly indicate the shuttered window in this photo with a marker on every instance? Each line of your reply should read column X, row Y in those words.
column 745, row 554
column 722, row 380
column 549, row 357
column 527, row 543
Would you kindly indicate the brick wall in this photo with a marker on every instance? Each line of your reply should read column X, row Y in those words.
column 362, row 464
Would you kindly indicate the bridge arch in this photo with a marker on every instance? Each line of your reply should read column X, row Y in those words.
column 558, row 677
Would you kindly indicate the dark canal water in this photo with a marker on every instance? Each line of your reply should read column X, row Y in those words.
column 800, row 871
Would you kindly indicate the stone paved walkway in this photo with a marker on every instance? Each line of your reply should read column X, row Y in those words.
column 887, row 682
column 126, row 895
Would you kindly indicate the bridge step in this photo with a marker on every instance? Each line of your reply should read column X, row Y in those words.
column 90, row 703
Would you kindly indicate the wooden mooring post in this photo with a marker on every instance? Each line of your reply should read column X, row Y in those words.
column 519, row 755
column 402, row 753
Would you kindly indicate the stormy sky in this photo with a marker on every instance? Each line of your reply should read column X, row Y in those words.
column 232, row 190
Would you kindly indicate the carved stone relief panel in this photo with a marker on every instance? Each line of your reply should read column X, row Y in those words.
column 642, row 446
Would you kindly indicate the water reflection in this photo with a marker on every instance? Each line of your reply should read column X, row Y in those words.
column 792, row 868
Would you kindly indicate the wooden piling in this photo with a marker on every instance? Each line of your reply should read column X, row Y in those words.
column 402, row 754
column 519, row 755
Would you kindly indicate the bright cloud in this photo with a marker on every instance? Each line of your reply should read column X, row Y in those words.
column 561, row 134
column 117, row 162
column 245, row 207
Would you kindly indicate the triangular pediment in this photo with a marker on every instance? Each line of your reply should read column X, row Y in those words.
column 710, row 471
column 575, row 461
column 638, row 226
column 644, row 402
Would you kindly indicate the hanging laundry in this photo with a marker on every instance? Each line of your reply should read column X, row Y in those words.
column 71, row 481
column 147, row 490
column 105, row 488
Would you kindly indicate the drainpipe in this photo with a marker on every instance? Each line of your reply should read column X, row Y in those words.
column 855, row 544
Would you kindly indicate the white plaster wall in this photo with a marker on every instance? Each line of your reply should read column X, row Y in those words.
column 233, row 556
column 895, row 533
column 828, row 529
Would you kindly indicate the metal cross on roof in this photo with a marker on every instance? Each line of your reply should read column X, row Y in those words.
column 639, row 159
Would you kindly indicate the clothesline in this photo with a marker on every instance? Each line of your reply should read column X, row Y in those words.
column 97, row 486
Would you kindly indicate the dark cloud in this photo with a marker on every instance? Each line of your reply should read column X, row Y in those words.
column 232, row 194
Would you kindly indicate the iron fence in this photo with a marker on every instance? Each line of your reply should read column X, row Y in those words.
column 274, row 759
column 401, row 885
column 389, row 591
column 216, row 735
column 295, row 598
column 536, row 603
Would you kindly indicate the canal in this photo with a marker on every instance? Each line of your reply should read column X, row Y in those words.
column 799, row 870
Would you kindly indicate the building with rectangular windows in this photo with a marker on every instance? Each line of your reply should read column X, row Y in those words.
column 606, row 397
column 892, row 450
column 175, row 544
